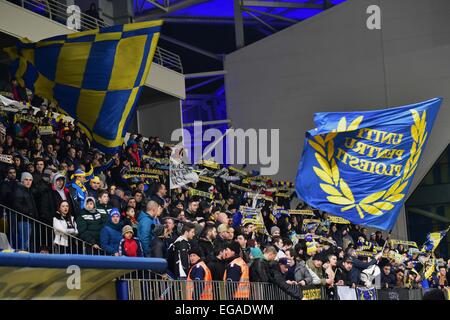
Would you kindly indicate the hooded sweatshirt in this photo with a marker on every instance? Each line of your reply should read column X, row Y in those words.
column 90, row 223
column 61, row 191
column 110, row 236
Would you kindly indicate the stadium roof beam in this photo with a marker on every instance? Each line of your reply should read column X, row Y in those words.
column 429, row 215
column 169, row 9
column 204, row 74
column 271, row 15
column 260, row 20
column 272, row 4
column 193, row 48
column 203, row 83
column 238, row 24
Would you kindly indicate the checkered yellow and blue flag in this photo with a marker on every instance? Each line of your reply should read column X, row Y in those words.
column 433, row 240
column 94, row 76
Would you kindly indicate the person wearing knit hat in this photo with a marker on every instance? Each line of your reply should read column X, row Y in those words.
column 94, row 187
column 130, row 246
column 23, row 201
column 275, row 231
column 111, row 234
column 77, row 189
column 90, row 222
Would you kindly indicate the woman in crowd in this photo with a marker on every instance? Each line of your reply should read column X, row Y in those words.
column 65, row 227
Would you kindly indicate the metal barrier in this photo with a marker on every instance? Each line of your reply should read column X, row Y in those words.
column 151, row 289
column 57, row 11
column 27, row 234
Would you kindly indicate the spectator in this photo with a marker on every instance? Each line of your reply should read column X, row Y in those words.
column 199, row 271
column 158, row 247
column 278, row 277
column 223, row 236
column 90, row 223
column 345, row 275
column 387, row 277
column 94, row 186
column 145, row 221
column 7, row 187
column 259, row 270
column 178, row 257
column 23, row 202
column 65, row 226
column 111, row 233
column 314, row 266
column 129, row 245
column 103, row 205
column 191, row 211
column 206, row 242
column 237, row 271
column 302, row 275
column 78, row 191
column 61, row 193
column 217, row 264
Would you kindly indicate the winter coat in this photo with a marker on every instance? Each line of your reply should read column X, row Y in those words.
column 62, row 230
column 57, row 198
column 259, row 270
column 349, row 277
column 389, row 280
column 89, row 226
column 125, row 244
column 78, row 195
column 217, row 268
column 110, row 237
column 158, row 248
column 23, row 201
column 6, row 192
column 178, row 257
column 207, row 249
column 145, row 234
column 43, row 196
column 302, row 273
column 317, row 274
column 279, row 279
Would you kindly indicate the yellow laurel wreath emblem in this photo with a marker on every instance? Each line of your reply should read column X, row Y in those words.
column 338, row 190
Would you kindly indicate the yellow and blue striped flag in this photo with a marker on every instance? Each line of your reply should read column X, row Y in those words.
column 433, row 240
column 94, row 76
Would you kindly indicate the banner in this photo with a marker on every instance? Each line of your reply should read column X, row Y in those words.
column 141, row 176
column 302, row 212
column 360, row 165
column 338, row 220
column 263, row 178
column 366, row 293
column 346, row 293
column 25, row 118
column 403, row 242
column 6, row 158
column 45, row 130
column 311, row 293
column 235, row 186
column 180, row 174
column 209, row 164
column 207, row 180
column 240, row 171
column 199, row 193
column 149, row 171
column 393, row 294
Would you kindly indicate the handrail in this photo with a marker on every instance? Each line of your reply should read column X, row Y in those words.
column 25, row 236
column 57, row 11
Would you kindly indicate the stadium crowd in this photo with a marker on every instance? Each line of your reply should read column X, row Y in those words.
column 232, row 225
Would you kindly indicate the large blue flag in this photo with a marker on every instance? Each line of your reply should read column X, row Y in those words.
column 94, row 76
column 359, row 165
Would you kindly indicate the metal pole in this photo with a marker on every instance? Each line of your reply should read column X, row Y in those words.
column 238, row 24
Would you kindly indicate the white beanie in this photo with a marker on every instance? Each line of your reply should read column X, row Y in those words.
column 25, row 175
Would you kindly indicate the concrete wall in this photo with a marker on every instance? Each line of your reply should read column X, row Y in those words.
column 332, row 62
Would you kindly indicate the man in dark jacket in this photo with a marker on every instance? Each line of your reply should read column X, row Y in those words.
column 111, row 233
column 217, row 264
column 259, row 270
column 359, row 265
column 7, row 187
column 206, row 242
column 345, row 275
column 90, row 223
column 388, row 279
column 158, row 247
column 278, row 277
column 23, row 202
column 43, row 195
